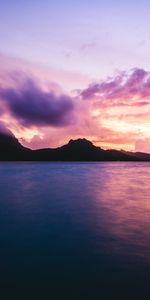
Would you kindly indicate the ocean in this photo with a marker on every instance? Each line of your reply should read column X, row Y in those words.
column 75, row 230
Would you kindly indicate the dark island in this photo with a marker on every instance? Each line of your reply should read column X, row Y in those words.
column 75, row 150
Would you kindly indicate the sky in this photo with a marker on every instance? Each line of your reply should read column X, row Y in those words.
column 71, row 69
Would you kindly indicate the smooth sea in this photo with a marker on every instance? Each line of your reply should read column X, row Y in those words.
column 75, row 230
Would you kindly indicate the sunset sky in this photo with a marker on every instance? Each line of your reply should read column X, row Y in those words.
column 71, row 69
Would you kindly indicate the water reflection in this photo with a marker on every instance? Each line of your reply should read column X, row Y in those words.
column 122, row 208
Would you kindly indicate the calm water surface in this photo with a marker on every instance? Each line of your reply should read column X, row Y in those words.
column 75, row 230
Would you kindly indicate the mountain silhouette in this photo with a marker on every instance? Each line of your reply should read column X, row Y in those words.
column 75, row 150
column 11, row 149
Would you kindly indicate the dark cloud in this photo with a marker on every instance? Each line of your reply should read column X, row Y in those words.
column 31, row 105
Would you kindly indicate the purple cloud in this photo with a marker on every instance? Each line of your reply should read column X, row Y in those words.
column 87, row 46
column 124, row 87
column 29, row 104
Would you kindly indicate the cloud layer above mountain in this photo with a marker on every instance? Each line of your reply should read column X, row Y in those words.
column 113, row 113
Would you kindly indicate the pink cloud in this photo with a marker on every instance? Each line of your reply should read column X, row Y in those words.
column 122, row 89
column 46, row 76
column 88, row 46
column 142, row 145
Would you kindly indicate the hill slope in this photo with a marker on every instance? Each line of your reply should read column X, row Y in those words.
column 75, row 150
